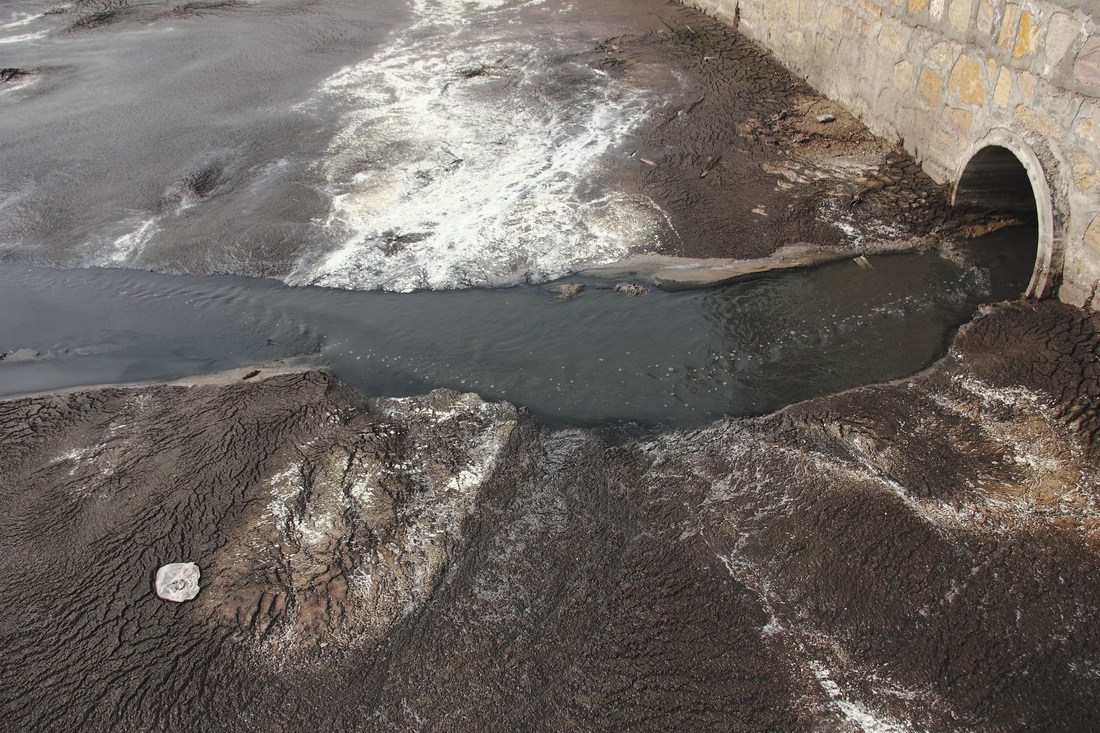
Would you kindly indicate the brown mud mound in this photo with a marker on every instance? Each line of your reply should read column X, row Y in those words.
column 918, row 555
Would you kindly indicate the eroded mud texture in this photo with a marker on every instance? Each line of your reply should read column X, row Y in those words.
column 742, row 163
column 918, row 555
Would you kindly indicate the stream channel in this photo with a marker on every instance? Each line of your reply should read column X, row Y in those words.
column 659, row 359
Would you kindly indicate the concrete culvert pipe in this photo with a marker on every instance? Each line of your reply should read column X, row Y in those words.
column 1004, row 176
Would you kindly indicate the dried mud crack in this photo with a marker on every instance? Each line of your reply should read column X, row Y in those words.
column 919, row 554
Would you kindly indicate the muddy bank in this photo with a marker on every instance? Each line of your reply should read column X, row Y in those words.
column 748, row 159
column 919, row 554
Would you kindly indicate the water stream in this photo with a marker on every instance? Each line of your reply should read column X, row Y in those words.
column 398, row 146
column 663, row 358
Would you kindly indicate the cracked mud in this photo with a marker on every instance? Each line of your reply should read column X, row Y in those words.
column 918, row 554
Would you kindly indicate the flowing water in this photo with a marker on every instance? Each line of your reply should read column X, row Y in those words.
column 659, row 359
column 429, row 145
column 367, row 145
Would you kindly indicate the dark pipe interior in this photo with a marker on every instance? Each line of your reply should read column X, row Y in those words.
column 996, row 181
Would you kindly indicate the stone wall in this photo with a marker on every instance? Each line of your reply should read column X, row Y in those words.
column 949, row 77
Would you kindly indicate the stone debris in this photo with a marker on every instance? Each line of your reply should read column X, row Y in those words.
column 825, row 119
column 709, row 165
column 11, row 74
column 177, row 581
column 20, row 355
column 631, row 289
column 566, row 291
column 679, row 273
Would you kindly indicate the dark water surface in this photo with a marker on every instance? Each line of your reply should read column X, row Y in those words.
column 183, row 117
column 377, row 144
column 658, row 359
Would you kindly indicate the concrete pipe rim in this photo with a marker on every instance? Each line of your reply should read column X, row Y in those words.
column 1048, row 254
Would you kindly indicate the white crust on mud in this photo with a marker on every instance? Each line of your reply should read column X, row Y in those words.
column 356, row 537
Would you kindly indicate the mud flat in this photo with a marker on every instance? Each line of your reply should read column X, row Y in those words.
column 913, row 555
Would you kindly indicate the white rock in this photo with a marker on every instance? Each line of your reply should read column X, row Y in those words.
column 178, row 581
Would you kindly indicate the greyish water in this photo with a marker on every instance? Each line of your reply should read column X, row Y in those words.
column 364, row 144
column 399, row 146
column 659, row 359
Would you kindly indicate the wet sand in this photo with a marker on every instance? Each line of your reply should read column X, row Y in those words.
column 741, row 165
column 915, row 555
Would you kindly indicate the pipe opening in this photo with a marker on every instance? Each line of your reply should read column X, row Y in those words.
column 996, row 191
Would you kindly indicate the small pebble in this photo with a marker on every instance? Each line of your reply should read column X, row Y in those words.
column 826, row 118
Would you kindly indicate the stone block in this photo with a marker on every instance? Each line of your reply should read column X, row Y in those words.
column 857, row 26
column 832, row 17
column 959, row 14
column 1087, row 125
column 985, row 17
column 967, row 82
column 889, row 40
column 1027, row 82
column 928, row 87
column 1092, row 240
column 921, row 130
column 1087, row 67
column 850, row 56
column 876, row 65
column 1073, row 292
column 807, row 12
column 827, row 47
column 795, row 40
column 1085, row 174
column 945, row 145
column 1041, row 123
column 917, row 6
column 870, row 8
column 1002, row 94
column 903, row 76
column 1062, row 31
column 1027, row 35
column 1006, row 38
column 942, row 54
column 936, row 9
column 959, row 121
column 887, row 106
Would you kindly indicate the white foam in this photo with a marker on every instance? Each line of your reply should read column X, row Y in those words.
column 855, row 712
column 130, row 246
column 22, row 38
column 21, row 20
column 443, row 181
